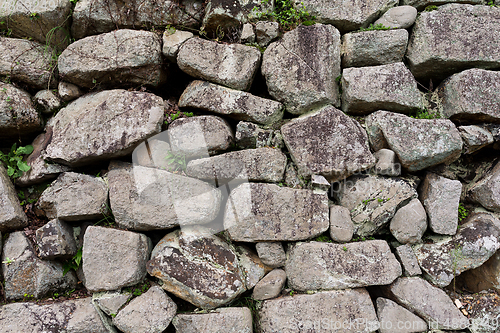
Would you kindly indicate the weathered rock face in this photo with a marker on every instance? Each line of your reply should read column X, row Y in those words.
column 92, row 17
column 68, row 91
column 266, row 32
column 300, row 69
column 12, row 215
column 55, row 240
column 419, row 143
column 347, row 16
column 371, row 48
column 421, row 4
column 341, row 225
column 390, row 87
column 373, row 200
column 387, row 163
column 267, row 212
column 323, row 266
column 251, row 265
column 408, row 260
column 227, row 16
column 18, row 116
column 47, row 100
column 400, row 17
column 233, row 103
column 329, row 143
column 270, row 286
column 211, row 275
column 249, row 135
column 147, row 198
column 122, row 57
column 409, row 223
column 487, row 190
column 173, row 41
column 476, row 241
column 272, row 254
column 231, row 65
column 103, row 125
column 327, row 310
column 475, row 138
column 110, row 302
column 395, row 318
column 441, row 39
column 230, row 320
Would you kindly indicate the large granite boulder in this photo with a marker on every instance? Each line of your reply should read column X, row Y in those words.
column 18, row 116
column 12, row 215
column 487, row 190
column 227, row 320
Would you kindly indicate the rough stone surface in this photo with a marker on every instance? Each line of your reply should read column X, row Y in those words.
column 151, row 312
column 395, row 318
column 387, row 163
column 408, row 260
column 226, row 16
column 173, row 41
column 267, row 212
column 233, row 103
column 475, row 138
column 256, row 165
column 122, row 57
column 341, row 225
column 400, row 17
column 421, row 4
column 148, row 199
column 476, row 241
column 487, row 190
column 252, row 266
column 266, row 32
column 109, row 124
column 305, row 312
column 47, row 100
column 18, row 115
column 55, row 240
column 211, row 275
column 153, row 152
column 409, row 223
column 249, row 135
column 441, row 40
column 231, row 65
column 12, row 215
column 68, row 91
column 111, row 302
column 112, row 259
column 419, row 143
column 270, row 286
column 247, row 34
column 373, row 200
column 300, row 69
column 227, row 320
column 272, row 254
column 319, row 183
column 486, row 276
column 329, row 143
column 441, row 197
column 390, row 87
column 372, row 48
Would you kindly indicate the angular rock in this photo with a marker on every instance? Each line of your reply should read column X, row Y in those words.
column 12, row 215
column 323, row 266
column 225, row 17
column 329, row 143
column 232, row 65
column 373, row 200
column 396, row 319
column 173, row 41
column 55, row 240
column 18, row 115
column 109, row 124
column 153, row 153
column 319, row 183
column 419, row 143
column 247, row 34
column 390, row 87
column 211, row 275
column 421, row 4
column 348, row 310
column 400, row 17
column 476, row 241
column 441, row 40
column 75, row 197
column 272, row 254
column 408, row 260
column 68, row 91
column 111, row 302
column 441, row 197
column 301, row 68
column 255, row 165
column 228, row 320
column 487, row 190
column 233, row 103
column 266, row 32
column 253, row 268
column 144, row 198
column 150, row 312
column 341, row 226
column 409, row 223
column 113, row 259
column 292, row 178
column 25, row 274
column 249, row 135
column 270, row 286
column 372, row 48
column 475, row 138
column 387, row 163
column 122, row 57
column 267, row 212
column 47, row 100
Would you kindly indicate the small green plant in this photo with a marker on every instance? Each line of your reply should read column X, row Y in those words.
column 367, row 201
column 112, row 315
column 14, row 160
column 108, row 218
column 425, row 114
column 323, row 238
column 257, row 46
column 33, row 16
column 430, row 8
column 24, row 199
column 176, row 161
column 73, row 263
column 292, row 292
column 372, row 27
column 491, row 3
column 286, row 14
column 362, row 238
column 344, row 248
column 178, row 114
column 138, row 289
column 8, row 261
column 462, row 212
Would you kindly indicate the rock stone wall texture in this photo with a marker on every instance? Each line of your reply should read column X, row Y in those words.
column 200, row 167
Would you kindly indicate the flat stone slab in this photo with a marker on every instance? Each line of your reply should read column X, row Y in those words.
column 475, row 138
column 399, row 17
column 18, row 115
column 228, row 320
column 272, row 254
column 270, row 286
column 487, row 190
column 408, row 260
column 409, row 223
column 12, row 215
column 267, row 212
column 396, row 319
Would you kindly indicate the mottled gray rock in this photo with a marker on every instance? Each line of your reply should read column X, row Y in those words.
column 409, row 223
column 487, row 190
column 247, row 34
column 249, row 135
column 475, row 138
column 47, row 100
column 113, row 259
column 329, row 143
column 319, row 183
column 267, row 212
column 270, row 286
column 151, row 312
column 323, row 266
column 12, row 215
column 68, row 91
column 252, row 266
column 419, row 143
column 272, row 254
column 373, row 200
column 441, row 40
column 121, row 57
column 256, row 165
column 421, row 4
column 153, row 153
column 387, row 163
column 55, row 240
column 18, row 115
column 211, row 275
column 173, row 41
column 227, row 320
column 300, row 69
column 476, row 241
column 148, row 199
column 428, row 302
column 390, row 87
column 25, row 274
column 408, row 260
column 231, row 65
column 371, row 48
column 396, row 319
column 441, row 197
column 400, row 17
column 73, row 316
column 348, row 310
column 266, row 32
column 341, row 226
column 233, row 103
column 75, row 197
column 110, row 124
column 292, row 178
column 111, row 302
